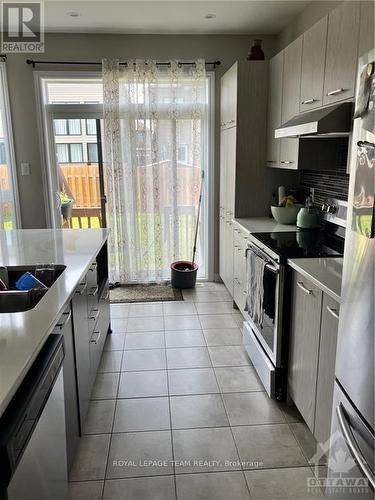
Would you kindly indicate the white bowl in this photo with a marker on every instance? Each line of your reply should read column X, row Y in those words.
column 286, row 215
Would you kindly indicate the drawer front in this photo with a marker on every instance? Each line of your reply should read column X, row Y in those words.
column 92, row 287
column 263, row 367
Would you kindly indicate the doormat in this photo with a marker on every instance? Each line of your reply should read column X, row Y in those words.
column 152, row 292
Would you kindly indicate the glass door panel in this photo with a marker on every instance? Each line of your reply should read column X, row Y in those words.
column 79, row 168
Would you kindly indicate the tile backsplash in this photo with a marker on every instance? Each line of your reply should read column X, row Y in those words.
column 327, row 183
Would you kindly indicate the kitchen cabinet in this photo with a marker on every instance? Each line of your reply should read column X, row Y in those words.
column 313, row 63
column 81, row 339
column 304, row 346
column 99, row 321
column 274, row 109
column 291, row 80
column 240, row 240
column 342, row 52
column 312, row 354
column 228, row 102
column 65, row 327
column 326, row 369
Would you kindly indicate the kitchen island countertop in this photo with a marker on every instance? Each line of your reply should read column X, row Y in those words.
column 324, row 272
column 23, row 334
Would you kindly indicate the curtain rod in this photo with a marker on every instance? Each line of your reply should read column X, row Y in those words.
column 83, row 63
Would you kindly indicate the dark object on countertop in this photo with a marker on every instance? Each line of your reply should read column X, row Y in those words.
column 112, row 286
column 256, row 53
column 28, row 281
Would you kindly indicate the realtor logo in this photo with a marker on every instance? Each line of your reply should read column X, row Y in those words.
column 22, row 27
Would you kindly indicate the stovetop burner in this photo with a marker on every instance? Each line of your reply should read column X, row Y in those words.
column 300, row 244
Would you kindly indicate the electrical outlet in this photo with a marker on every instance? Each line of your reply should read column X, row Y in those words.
column 312, row 194
column 25, row 168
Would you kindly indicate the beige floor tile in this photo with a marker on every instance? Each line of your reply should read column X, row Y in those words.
column 212, row 486
column 142, row 414
column 198, row 411
column 188, row 357
column 143, row 384
column 99, row 417
column 105, row 386
column 140, row 488
column 251, row 408
column 229, row 356
column 144, row 359
column 84, row 490
column 238, row 379
column 184, row 338
column 91, row 458
column 225, row 336
column 192, row 381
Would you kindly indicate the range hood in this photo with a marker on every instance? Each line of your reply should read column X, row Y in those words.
column 332, row 121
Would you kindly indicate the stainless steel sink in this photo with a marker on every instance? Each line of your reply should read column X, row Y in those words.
column 13, row 300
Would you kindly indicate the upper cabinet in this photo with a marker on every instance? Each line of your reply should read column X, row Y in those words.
column 291, row 80
column 274, row 109
column 342, row 52
column 228, row 106
column 313, row 62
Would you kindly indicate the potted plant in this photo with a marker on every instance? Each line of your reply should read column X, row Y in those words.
column 66, row 205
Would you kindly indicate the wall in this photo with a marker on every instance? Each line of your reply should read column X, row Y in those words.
column 314, row 11
column 93, row 47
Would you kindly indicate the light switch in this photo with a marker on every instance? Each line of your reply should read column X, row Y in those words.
column 25, row 168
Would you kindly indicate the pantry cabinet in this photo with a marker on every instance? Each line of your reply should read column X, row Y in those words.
column 342, row 53
column 274, row 109
column 313, row 64
column 312, row 354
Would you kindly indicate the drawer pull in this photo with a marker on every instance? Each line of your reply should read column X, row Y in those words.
column 95, row 340
column 67, row 315
column 82, row 290
column 93, row 266
column 309, row 101
column 93, row 291
column 95, row 316
column 303, row 288
column 335, row 92
column 287, row 162
column 333, row 312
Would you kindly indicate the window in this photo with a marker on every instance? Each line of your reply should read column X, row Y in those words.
column 8, row 182
column 67, row 127
column 91, row 127
column 92, row 152
column 69, row 153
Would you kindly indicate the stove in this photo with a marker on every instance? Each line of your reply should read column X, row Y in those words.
column 302, row 244
column 266, row 329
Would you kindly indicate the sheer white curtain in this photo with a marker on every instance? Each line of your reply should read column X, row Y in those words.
column 155, row 140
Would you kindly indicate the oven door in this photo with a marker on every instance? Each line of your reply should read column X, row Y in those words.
column 269, row 332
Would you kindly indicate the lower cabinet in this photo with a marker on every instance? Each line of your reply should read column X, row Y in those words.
column 326, row 368
column 240, row 240
column 312, row 354
column 65, row 328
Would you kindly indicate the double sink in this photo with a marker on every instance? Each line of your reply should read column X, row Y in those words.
column 13, row 300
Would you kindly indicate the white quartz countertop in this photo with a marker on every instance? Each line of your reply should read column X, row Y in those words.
column 22, row 335
column 263, row 225
column 326, row 273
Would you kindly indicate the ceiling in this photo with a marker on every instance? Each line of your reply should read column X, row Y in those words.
column 170, row 17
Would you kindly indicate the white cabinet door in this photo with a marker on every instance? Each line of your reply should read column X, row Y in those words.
column 274, row 109
column 289, row 149
column 326, row 369
column 342, row 52
column 291, row 80
column 313, row 62
column 231, row 138
column 228, row 101
column 304, row 346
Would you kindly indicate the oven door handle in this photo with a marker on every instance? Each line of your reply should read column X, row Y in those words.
column 262, row 256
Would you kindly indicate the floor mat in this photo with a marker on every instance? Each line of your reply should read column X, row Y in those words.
column 153, row 292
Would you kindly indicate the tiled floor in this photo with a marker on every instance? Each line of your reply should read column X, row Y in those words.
column 177, row 411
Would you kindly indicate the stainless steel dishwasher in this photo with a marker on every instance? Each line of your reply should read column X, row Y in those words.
column 32, row 432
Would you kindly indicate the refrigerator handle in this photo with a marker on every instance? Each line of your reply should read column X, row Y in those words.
column 353, row 447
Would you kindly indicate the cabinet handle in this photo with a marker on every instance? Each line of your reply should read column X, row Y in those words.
column 95, row 316
column 303, row 288
column 333, row 312
column 94, row 291
column 93, row 266
column 309, row 101
column 96, row 340
column 82, row 290
column 67, row 315
column 336, row 91
column 287, row 162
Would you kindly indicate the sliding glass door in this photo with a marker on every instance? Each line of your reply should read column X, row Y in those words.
column 9, row 210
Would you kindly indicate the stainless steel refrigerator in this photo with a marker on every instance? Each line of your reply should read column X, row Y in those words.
column 351, row 456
